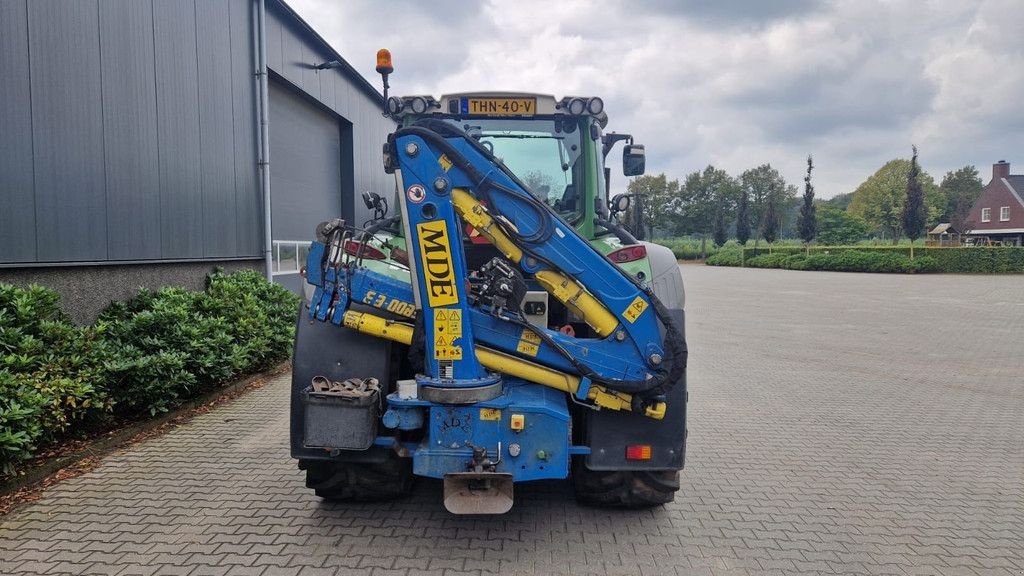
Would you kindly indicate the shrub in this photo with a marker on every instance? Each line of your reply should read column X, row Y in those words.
column 142, row 356
column 975, row 260
column 725, row 258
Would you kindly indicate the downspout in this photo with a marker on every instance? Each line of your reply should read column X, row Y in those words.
column 262, row 105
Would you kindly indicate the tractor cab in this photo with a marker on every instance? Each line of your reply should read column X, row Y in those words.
column 556, row 147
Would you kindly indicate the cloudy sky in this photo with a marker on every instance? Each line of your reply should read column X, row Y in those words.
column 734, row 83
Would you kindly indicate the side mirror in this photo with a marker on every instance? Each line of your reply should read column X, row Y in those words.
column 633, row 160
column 621, row 202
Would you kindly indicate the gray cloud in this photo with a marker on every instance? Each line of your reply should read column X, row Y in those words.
column 735, row 83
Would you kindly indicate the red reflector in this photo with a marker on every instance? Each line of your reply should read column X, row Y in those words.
column 354, row 248
column 638, row 452
column 629, row 253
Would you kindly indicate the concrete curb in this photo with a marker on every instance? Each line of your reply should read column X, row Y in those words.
column 104, row 445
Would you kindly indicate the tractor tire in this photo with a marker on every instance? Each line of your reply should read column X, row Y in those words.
column 624, row 488
column 358, row 481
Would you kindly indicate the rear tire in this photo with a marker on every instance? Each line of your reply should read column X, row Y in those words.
column 359, row 481
column 624, row 488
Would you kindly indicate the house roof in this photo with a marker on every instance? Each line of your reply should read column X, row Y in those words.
column 944, row 228
column 1016, row 182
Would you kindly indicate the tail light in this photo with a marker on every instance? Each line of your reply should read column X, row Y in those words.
column 629, row 254
column 353, row 248
column 638, row 452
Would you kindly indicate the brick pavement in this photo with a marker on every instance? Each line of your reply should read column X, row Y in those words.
column 840, row 423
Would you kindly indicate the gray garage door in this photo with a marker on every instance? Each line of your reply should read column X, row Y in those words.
column 305, row 176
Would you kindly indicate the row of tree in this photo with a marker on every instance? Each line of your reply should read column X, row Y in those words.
column 899, row 200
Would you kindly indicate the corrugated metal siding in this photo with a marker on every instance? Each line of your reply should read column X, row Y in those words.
column 292, row 54
column 130, row 130
column 216, row 129
column 305, row 173
column 67, row 127
column 17, row 194
column 248, row 197
column 181, row 198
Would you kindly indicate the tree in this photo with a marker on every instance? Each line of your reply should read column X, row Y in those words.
column 720, row 235
column 540, row 183
column 839, row 228
column 915, row 214
column 764, row 185
column 660, row 196
column 840, row 201
column 703, row 196
column 807, row 222
column 879, row 200
column 962, row 189
column 770, row 223
column 743, row 218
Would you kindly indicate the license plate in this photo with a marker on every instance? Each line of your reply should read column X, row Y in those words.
column 499, row 106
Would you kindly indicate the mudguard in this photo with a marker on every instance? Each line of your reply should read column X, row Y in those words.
column 608, row 433
column 322, row 349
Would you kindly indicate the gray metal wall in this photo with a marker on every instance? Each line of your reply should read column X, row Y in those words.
column 129, row 131
column 292, row 51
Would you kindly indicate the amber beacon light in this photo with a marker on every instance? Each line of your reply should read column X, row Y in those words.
column 384, row 61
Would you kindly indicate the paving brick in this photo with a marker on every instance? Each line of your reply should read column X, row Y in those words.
column 843, row 423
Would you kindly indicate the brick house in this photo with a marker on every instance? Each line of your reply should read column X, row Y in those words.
column 999, row 212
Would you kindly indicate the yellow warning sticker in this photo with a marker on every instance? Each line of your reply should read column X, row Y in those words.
column 492, row 414
column 447, row 330
column 445, row 163
column 529, row 342
column 635, row 309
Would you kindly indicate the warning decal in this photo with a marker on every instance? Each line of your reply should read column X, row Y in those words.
column 529, row 342
column 491, row 414
column 635, row 309
column 447, row 330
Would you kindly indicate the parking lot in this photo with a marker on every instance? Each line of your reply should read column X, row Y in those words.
column 839, row 423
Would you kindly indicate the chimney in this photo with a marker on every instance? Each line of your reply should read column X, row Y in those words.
column 1000, row 169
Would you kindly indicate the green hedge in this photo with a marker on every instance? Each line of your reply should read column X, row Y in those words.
column 974, row 260
column 140, row 358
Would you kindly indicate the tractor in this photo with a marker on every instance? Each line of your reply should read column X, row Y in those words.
column 501, row 326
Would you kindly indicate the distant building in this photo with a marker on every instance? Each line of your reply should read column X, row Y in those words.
column 998, row 215
column 943, row 235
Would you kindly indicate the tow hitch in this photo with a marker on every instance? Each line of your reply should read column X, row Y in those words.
column 481, row 491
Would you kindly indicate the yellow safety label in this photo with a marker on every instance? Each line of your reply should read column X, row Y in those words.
column 447, row 330
column 529, row 342
column 635, row 309
column 445, row 163
column 492, row 414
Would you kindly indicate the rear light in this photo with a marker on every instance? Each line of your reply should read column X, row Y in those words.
column 353, row 248
column 399, row 255
column 638, row 452
column 629, row 254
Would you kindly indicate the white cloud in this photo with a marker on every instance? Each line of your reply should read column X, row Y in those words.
column 735, row 83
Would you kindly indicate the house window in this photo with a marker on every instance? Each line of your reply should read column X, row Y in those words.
column 1004, row 214
column 986, row 214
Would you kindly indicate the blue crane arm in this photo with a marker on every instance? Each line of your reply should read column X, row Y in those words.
column 445, row 181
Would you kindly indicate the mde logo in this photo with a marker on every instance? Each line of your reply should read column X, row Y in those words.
column 436, row 258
